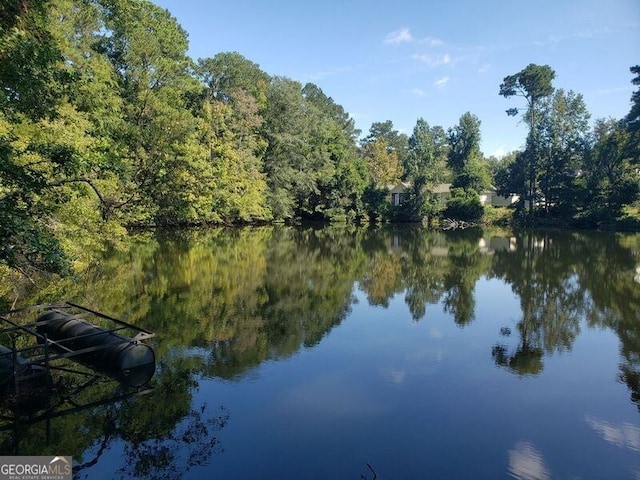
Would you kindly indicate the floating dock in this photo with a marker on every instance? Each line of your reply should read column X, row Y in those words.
column 37, row 341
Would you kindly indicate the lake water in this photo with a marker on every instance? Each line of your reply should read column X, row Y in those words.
column 335, row 353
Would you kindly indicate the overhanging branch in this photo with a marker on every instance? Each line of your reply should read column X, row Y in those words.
column 108, row 204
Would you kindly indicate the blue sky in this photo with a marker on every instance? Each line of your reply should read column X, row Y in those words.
column 404, row 60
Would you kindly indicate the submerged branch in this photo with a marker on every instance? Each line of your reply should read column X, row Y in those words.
column 451, row 224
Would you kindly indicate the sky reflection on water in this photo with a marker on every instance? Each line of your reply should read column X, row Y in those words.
column 425, row 398
column 399, row 353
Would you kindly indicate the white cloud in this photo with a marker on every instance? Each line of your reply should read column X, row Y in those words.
column 441, row 82
column 399, row 36
column 403, row 35
column 422, row 57
column 484, row 68
column 623, row 435
column 432, row 41
column 418, row 92
column 433, row 60
column 526, row 463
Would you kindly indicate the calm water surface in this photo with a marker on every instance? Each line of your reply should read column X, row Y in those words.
column 328, row 353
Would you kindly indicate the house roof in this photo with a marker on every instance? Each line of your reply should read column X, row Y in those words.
column 402, row 186
column 442, row 188
column 391, row 186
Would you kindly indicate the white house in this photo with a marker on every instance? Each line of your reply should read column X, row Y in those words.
column 398, row 194
column 495, row 200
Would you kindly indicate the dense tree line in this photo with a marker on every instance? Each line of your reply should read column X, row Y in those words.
column 568, row 171
column 106, row 123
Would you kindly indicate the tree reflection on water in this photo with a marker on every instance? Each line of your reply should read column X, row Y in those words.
column 224, row 301
column 161, row 432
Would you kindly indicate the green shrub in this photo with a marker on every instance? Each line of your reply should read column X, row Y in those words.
column 464, row 206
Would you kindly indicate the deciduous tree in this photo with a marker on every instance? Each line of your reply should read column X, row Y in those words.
column 426, row 168
column 383, row 164
column 562, row 130
column 465, row 159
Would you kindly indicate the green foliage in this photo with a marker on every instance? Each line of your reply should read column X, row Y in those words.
column 563, row 128
column 382, row 163
column 376, row 203
column 533, row 83
column 423, row 204
column 27, row 244
column 395, row 141
column 345, row 177
column 31, row 81
column 229, row 72
column 106, row 123
column 498, row 216
column 311, row 151
column 425, row 168
column 464, row 152
column 148, row 48
column 566, row 172
column 633, row 117
column 344, row 192
column 31, row 76
column 233, row 105
column 428, row 150
column 464, row 205
column 236, row 188
column 632, row 121
column 288, row 160
column 611, row 179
